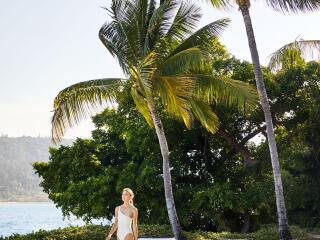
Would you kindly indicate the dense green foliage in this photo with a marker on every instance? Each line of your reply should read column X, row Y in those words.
column 97, row 232
column 213, row 188
column 298, row 134
column 18, row 182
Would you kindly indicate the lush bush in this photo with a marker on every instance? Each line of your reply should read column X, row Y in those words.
column 270, row 232
column 97, row 232
column 92, row 232
column 266, row 232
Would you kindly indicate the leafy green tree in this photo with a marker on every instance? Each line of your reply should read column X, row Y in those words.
column 284, row 6
column 164, row 58
column 299, row 137
column 84, row 179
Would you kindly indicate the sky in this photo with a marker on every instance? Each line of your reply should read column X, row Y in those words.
column 46, row 46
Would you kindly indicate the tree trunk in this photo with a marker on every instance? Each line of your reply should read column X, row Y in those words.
column 281, row 209
column 173, row 217
column 246, row 222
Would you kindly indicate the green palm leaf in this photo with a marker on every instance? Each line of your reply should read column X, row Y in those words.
column 294, row 5
column 161, row 20
column 141, row 19
column 142, row 106
column 231, row 92
column 121, row 35
column 182, row 62
column 112, row 41
column 221, row 4
column 203, row 36
column 185, row 21
column 148, row 42
column 175, row 93
column 205, row 115
column 80, row 100
column 293, row 53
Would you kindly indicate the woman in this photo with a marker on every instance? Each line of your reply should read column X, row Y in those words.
column 126, row 218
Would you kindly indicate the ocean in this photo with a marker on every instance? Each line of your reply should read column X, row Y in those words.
column 25, row 217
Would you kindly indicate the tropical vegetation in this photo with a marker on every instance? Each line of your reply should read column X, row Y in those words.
column 164, row 58
column 223, row 182
column 285, row 6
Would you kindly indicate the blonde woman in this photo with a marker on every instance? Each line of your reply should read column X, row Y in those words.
column 126, row 218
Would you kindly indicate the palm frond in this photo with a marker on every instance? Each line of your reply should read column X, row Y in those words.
column 80, row 100
column 185, row 21
column 161, row 21
column 142, row 75
column 182, row 62
column 176, row 93
column 142, row 106
column 122, row 31
column 293, row 53
column 147, row 40
column 203, row 36
column 141, row 19
column 236, row 93
column 205, row 115
column 295, row 6
column 118, row 48
column 221, row 4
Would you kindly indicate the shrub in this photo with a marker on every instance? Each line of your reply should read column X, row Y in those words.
column 97, row 232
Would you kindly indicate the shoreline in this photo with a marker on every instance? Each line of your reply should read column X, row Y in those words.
column 6, row 202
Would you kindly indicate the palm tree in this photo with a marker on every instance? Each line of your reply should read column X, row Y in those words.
column 283, row 6
column 165, row 62
column 294, row 53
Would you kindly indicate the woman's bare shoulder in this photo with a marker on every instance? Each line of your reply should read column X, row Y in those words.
column 134, row 208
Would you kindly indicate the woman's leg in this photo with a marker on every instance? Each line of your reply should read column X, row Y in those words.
column 129, row 236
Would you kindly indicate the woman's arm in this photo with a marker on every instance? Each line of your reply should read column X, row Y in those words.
column 135, row 223
column 114, row 225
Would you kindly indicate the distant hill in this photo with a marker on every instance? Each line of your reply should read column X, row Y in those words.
column 18, row 181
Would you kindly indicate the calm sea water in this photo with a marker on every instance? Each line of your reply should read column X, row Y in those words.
column 27, row 217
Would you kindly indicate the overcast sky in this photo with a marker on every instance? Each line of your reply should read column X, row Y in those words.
column 46, row 46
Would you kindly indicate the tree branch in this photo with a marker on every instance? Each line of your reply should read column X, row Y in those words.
column 252, row 134
column 248, row 159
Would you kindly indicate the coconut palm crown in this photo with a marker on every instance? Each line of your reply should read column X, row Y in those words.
column 162, row 56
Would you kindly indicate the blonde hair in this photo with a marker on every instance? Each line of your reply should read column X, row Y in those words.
column 131, row 194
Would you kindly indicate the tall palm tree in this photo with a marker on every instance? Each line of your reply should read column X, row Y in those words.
column 283, row 6
column 294, row 53
column 163, row 60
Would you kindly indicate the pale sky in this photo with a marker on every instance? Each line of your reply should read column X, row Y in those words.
column 46, row 46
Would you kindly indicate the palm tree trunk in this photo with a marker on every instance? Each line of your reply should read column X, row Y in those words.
column 284, row 231
column 172, row 213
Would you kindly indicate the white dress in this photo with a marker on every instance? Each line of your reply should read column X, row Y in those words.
column 124, row 225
